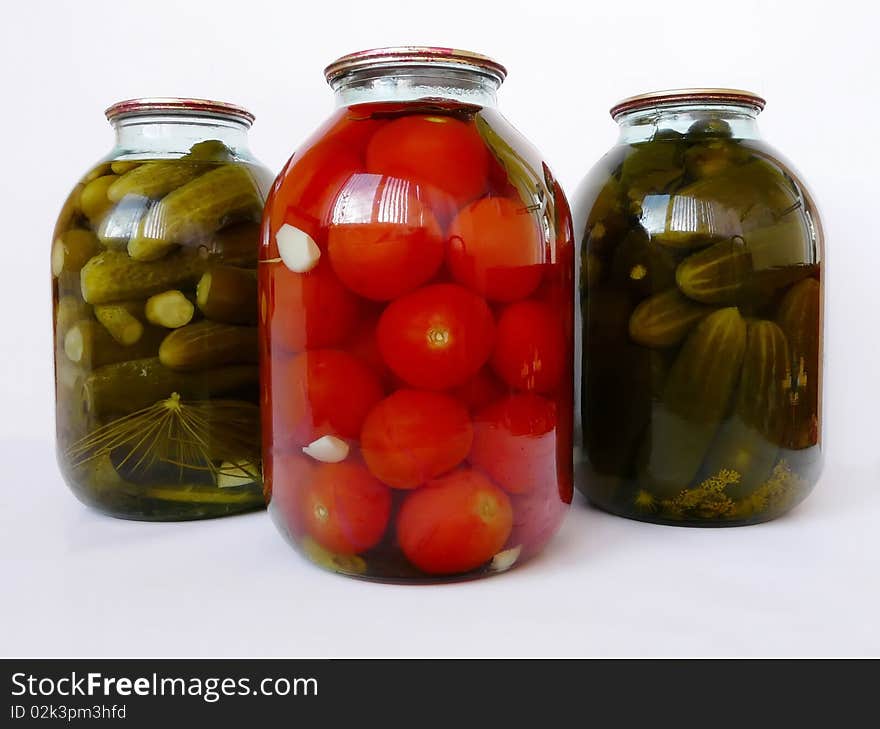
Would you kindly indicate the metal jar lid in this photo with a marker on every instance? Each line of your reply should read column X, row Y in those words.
column 398, row 56
column 683, row 97
column 174, row 105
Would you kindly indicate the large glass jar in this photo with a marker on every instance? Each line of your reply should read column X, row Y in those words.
column 416, row 283
column 155, row 308
column 701, row 317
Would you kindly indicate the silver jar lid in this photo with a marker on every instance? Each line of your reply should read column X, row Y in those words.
column 399, row 56
column 177, row 105
column 681, row 97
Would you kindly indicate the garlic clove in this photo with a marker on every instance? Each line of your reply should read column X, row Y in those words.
column 506, row 559
column 327, row 449
column 298, row 249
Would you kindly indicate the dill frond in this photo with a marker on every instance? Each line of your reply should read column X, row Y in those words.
column 213, row 436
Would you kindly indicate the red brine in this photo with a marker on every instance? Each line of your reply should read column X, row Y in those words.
column 416, row 311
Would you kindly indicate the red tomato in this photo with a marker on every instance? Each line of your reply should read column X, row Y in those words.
column 437, row 337
column 308, row 310
column 308, row 186
column 383, row 241
column 455, row 523
column 495, row 248
column 413, row 436
column 530, row 349
column 482, row 389
column 355, row 130
column 515, row 443
column 321, row 392
column 344, row 508
column 437, row 151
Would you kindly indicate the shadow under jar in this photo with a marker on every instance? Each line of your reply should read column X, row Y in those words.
column 416, row 298
column 700, row 286
column 155, row 311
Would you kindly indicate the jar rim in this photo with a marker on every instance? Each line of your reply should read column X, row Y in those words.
column 398, row 56
column 683, row 97
column 178, row 105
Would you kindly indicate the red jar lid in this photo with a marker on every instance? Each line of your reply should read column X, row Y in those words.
column 414, row 56
column 683, row 97
column 177, row 105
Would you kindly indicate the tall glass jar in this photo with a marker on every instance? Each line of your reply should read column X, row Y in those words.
column 416, row 282
column 701, row 317
column 155, row 308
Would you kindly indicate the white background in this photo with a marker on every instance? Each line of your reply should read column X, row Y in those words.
column 76, row 583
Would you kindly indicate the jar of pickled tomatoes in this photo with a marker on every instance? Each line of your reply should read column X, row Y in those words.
column 416, row 285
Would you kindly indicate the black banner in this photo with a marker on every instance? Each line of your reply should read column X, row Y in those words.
column 231, row 692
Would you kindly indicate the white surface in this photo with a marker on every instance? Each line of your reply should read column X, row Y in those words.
column 77, row 583
column 80, row 584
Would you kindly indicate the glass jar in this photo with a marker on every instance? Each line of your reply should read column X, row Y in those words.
column 701, row 317
column 416, row 286
column 155, row 308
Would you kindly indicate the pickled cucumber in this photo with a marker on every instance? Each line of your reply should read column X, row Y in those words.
column 207, row 344
column 652, row 168
column 68, row 311
column 125, row 387
column 210, row 150
column 755, row 193
column 170, row 309
column 749, row 443
column 716, row 275
column 193, row 212
column 154, row 180
column 695, row 399
column 713, row 158
column 120, row 168
column 93, row 199
column 710, row 127
column 236, row 245
column 99, row 171
column 113, row 276
column 72, row 250
column 122, row 321
column 665, row 319
column 148, row 249
column 228, row 294
column 121, row 222
column 89, row 344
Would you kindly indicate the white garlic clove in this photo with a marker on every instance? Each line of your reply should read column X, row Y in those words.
column 506, row 559
column 327, row 449
column 298, row 249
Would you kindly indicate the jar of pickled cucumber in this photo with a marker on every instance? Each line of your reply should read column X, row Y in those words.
column 155, row 311
column 700, row 285
column 416, row 286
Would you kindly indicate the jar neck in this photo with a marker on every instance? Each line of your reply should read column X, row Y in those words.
column 416, row 83
column 721, row 120
column 172, row 135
